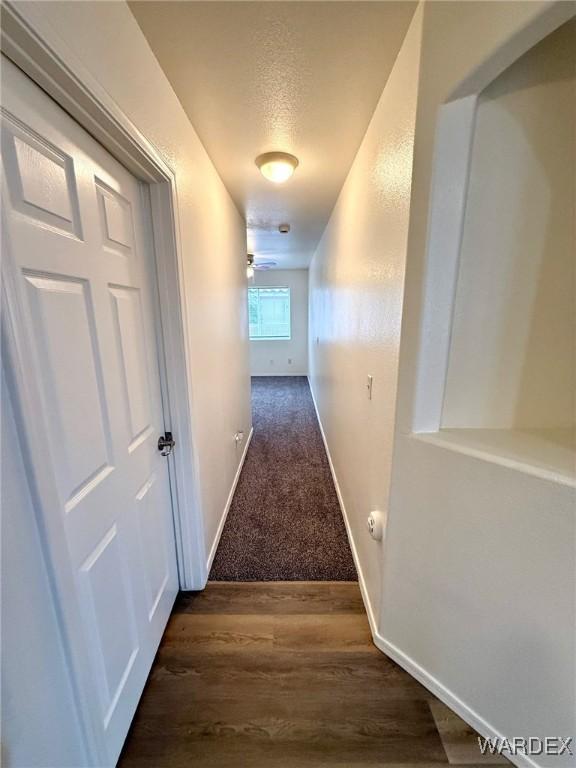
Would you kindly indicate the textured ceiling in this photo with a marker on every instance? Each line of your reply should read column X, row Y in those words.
column 299, row 77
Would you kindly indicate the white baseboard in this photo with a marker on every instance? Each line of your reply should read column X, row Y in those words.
column 222, row 522
column 361, row 579
column 456, row 704
column 279, row 373
column 389, row 649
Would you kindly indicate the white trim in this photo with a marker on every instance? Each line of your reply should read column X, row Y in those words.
column 303, row 374
column 222, row 522
column 35, row 46
column 451, row 442
column 447, row 696
column 453, row 149
column 361, row 579
column 177, row 391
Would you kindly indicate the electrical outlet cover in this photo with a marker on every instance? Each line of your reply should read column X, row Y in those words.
column 375, row 523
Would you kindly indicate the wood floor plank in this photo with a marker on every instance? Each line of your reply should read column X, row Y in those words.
column 219, row 632
column 245, row 750
column 287, row 700
column 261, row 740
column 350, row 673
column 273, row 597
column 324, row 633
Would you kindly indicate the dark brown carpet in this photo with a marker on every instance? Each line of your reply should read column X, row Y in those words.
column 285, row 522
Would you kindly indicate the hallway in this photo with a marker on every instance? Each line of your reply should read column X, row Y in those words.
column 281, row 675
column 287, row 417
column 273, row 665
column 285, row 523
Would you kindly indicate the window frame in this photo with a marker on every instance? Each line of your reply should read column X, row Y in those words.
column 267, row 288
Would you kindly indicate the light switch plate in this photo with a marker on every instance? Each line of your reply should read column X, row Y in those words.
column 369, row 387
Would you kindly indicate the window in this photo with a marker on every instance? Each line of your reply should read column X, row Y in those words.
column 269, row 313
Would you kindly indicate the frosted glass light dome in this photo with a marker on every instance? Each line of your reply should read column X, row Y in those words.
column 277, row 167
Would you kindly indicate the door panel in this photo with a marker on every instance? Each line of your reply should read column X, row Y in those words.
column 116, row 219
column 127, row 310
column 85, row 288
column 41, row 180
column 63, row 336
column 109, row 605
column 153, row 543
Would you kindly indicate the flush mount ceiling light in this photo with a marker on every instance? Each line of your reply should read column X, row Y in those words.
column 277, row 166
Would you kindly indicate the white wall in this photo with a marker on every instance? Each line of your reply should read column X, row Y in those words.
column 109, row 43
column 356, row 288
column 512, row 351
column 479, row 558
column 284, row 358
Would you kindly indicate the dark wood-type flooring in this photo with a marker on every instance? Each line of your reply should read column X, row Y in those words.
column 285, row 675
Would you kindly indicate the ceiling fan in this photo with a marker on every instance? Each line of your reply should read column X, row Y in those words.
column 261, row 264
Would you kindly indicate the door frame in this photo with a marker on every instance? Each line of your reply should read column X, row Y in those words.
column 35, row 47
column 41, row 54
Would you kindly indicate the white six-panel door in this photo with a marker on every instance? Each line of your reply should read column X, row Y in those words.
column 83, row 282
